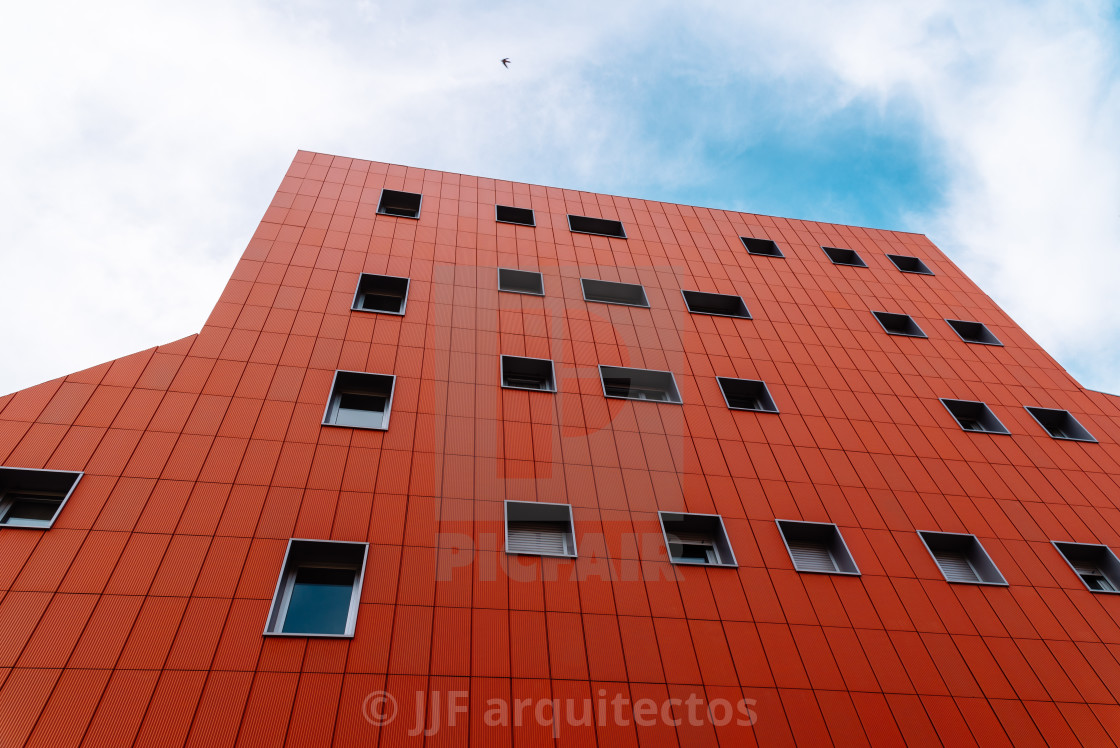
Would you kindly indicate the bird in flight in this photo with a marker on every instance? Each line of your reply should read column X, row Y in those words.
column 505, row 61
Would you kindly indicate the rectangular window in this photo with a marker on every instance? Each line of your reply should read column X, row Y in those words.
column 520, row 216
column 817, row 547
column 319, row 589
column 841, row 256
column 385, row 294
column 699, row 539
column 34, row 498
column 521, row 373
column 747, row 394
column 599, row 226
column 764, row 247
column 716, row 304
column 1096, row 565
column 539, row 529
column 1060, row 424
column 360, row 400
column 609, row 292
column 639, row 384
column 908, row 264
column 961, row 558
column 974, row 416
column 401, row 204
column 973, row 332
column 899, row 324
column 520, row 281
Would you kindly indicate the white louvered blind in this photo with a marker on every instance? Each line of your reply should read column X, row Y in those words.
column 811, row 555
column 955, row 566
column 1086, row 567
column 691, row 538
column 538, row 538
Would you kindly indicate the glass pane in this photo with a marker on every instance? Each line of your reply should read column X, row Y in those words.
column 320, row 601
column 30, row 510
column 365, row 411
column 381, row 302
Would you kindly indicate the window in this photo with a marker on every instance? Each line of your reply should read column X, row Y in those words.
column 1096, row 565
column 908, row 264
column 33, row 498
column 539, row 529
column 717, row 304
column 360, row 400
column 600, row 226
column 528, row 373
column 974, row 416
column 696, row 539
column 609, row 292
column 961, row 558
column 384, row 294
column 899, row 324
column 319, row 588
column 761, row 247
column 747, row 394
column 817, row 547
column 520, row 216
column 402, row 204
column 844, row 257
column 973, row 332
column 1060, row 424
column 520, row 281
column 639, row 384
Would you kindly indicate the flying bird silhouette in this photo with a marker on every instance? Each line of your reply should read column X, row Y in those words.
column 505, row 61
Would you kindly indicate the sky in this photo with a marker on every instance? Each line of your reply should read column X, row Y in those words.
column 143, row 141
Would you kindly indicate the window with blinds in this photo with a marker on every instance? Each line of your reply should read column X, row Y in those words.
column 1096, row 565
column 817, row 547
column 955, row 566
column 696, row 539
column 961, row 558
column 538, row 538
column 539, row 529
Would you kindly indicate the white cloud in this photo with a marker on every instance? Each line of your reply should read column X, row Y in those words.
column 143, row 141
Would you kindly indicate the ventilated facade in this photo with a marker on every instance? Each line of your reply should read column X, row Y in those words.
column 183, row 592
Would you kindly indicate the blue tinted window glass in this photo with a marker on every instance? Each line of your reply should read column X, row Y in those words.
column 320, row 601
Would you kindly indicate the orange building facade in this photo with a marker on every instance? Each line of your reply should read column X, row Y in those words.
column 458, row 461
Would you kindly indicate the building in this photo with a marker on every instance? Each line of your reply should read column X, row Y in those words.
column 551, row 467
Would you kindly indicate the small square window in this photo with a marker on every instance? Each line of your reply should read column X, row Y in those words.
column 747, row 394
column 1096, row 565
column 975, row 416
column 715, row 304
column 539, row 529
column 844, row 257
column 520, row 281
column 319, row 588
column 817, row 547
column 600, row 226
column 33, row 498
column 764, row 247
column 609, row 292
column 384, row 294
column 899, row 324
column 639, row 384
column 520, row 216
column 973, row 332
column 1060, row 424
column 961, row 558
column 528, row 374
column 908, row 264
column 699, row 539
column 401, row 204
column 360, row 400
